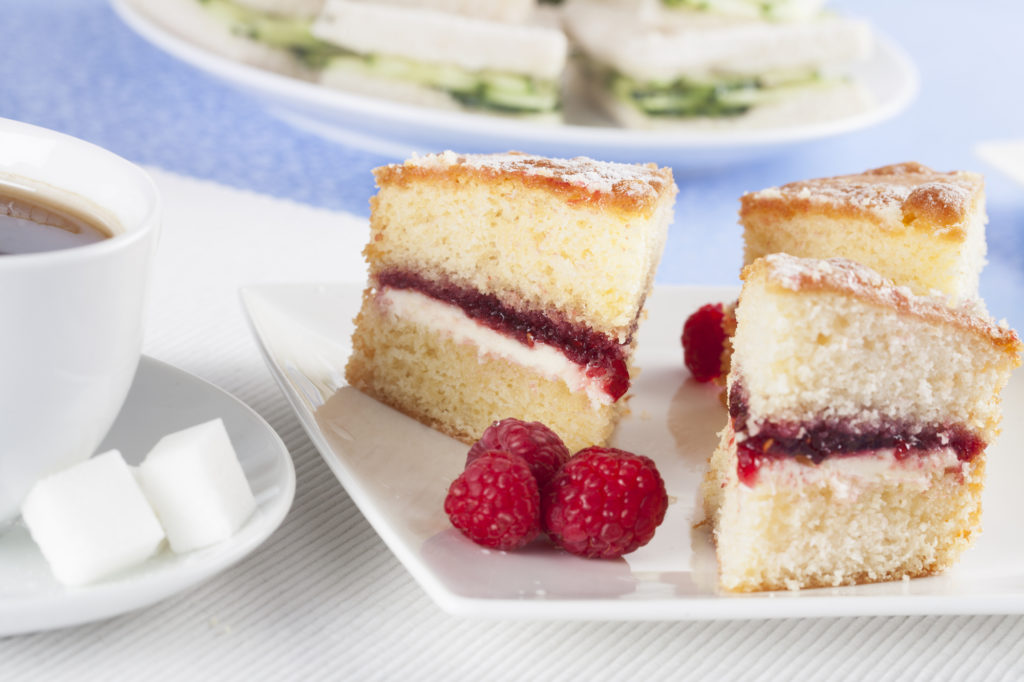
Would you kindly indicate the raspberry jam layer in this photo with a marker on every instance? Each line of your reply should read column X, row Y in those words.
column 813, row 441
column 602, row 357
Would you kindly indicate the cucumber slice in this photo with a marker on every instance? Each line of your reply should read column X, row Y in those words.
column 386, row 66
column 753, row 9
column 498, row 91
column 723, row 97
column 453, row 79
column 507, row 83
column 286, row 33
column 520, row 101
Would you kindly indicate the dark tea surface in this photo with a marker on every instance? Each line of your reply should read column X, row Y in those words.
column 32, row 221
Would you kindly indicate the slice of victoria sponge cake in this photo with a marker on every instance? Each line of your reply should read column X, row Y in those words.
column 921, row 228
column 859, row 416
column 508, row 285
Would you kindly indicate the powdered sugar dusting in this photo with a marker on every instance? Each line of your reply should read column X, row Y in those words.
column 795, row 273
column 939, row 202
column 637, row 181
column 906, row 192
column 847, row 276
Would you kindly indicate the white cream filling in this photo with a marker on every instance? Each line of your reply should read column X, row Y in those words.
column 451, row 321
column 849, row 475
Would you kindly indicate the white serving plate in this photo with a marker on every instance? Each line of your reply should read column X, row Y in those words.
column 162, row 399
column 399, row 130
column 398, row 471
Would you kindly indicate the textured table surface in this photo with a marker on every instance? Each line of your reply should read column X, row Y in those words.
column 324, row 598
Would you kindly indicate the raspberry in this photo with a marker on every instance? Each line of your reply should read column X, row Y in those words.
column 604, row 503
column 703, row 342
column 541, row 447
column 495, row 502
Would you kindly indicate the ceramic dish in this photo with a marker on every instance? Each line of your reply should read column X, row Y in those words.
column 398, row 130
column 162, row 399
column 397, row 471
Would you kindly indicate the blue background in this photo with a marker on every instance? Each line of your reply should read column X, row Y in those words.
column 73, row 66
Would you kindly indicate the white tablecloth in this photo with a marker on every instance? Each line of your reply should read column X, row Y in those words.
column 323, row 598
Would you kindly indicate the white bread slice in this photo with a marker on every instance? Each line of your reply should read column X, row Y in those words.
column 188, row 20
column 776, row 10
column 706, row 44
column 508, row 11
column 302, row 9
column 442, row 38
column 799, row 107
column 666, row 13
column 408, row 92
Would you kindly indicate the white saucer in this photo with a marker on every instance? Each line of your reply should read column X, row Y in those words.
column 397, row 471
column 1005, row 155
column 398, row 130
column 162, row 399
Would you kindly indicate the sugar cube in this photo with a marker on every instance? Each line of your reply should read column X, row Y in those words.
column 196, row 485
column 92, row 520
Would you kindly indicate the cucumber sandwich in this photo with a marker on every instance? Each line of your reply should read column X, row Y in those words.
column 701, row 67
column 269, row 34
column 442, row 58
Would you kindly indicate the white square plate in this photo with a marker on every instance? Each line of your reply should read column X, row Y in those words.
column 398, row 471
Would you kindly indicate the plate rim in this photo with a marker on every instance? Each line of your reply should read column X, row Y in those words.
column 133, row 591
column 265, row 83
column 826, row 603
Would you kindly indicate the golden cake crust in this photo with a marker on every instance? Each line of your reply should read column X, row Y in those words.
column 903, row 195
column 844, row 276
column 480, row 221
column 617, row 186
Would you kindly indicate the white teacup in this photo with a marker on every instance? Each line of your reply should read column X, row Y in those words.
column 70, row 319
